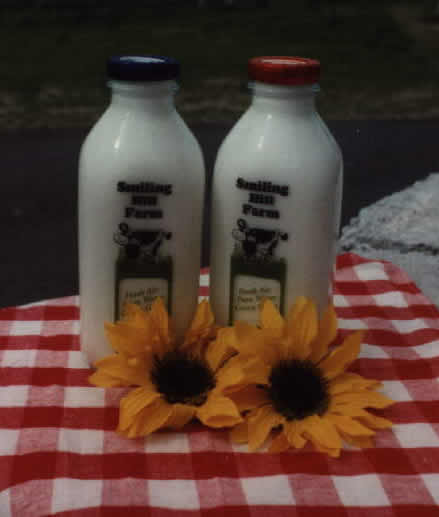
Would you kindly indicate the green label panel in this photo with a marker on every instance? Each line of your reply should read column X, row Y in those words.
column 252, row 282
column 142, row 282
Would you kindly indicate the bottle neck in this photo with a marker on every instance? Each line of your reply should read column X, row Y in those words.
column 152, row 96
column 299, row 100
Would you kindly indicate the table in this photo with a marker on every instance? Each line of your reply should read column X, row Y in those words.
column 60, row 456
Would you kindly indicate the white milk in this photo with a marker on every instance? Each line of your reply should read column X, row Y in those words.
column 276, row 203
column 141, row 188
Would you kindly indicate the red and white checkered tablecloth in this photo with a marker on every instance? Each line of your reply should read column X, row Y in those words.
column 60, row 456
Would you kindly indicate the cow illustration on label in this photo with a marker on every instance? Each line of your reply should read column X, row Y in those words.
column 256, row 272
column 140, row 244
column 143, row 273
column 257, row 243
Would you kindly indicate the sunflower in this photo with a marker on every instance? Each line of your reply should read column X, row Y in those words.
column 173, row 382
column 306, row 394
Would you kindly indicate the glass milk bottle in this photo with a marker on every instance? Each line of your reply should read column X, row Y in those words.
column 276, row 196
column 141, row 189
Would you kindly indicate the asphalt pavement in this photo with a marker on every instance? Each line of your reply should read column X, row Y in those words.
column 38, row 192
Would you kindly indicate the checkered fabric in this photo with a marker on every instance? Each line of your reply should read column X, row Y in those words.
column 59, row 454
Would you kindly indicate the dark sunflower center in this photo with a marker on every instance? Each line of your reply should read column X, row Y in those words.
column 182, row 378
column 298, row 389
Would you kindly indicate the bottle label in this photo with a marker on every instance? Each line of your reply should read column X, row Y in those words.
column 257, row 272
column 143, row 271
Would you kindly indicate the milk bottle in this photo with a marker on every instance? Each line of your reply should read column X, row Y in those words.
column 141, row 188
column 276, row 196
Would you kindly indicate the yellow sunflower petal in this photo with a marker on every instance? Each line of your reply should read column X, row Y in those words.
column 231, row 374
column 271, row 317
column 343, row 402
column 327, row 334
column 160, row 319
column 294, row 433
column 149, row 419
column 129, row 339
column 332, row 452
column 255, row 370
column 249, row 339
column 364, row 416
column 253, row 341
column 376, row 422
column 322, row 431
column 294, row 313
column 279, row 444
column 221, row 348
column 133, row 403
column 351, row 382
column 203, row 319
column 103, row 380
column 359, row 441
column 302, row 325
column 181, row 414
column 202, row 330
column 260, row 424
column 218, row 411
column 135, row 315
column 240, row 371
column 249, row 397
column 129, row 374
column 274, row 347
column 349, row 426
column 340, row 358
column 239, row 433
column 347, row 410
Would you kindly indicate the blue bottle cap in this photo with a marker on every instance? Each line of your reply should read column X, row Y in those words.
column 142, row 68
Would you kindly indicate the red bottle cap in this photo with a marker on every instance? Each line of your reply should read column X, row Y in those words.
column 285, row 70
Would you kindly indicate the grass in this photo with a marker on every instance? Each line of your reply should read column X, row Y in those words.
column 53, row 60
